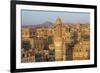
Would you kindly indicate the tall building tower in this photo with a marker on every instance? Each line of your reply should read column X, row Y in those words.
column 58, row 40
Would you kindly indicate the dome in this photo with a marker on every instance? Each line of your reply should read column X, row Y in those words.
column 58, row 21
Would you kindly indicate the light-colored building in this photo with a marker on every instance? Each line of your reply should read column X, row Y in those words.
column 81, row 51
column 58, row 43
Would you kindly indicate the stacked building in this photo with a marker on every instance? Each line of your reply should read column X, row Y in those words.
column 55, row 43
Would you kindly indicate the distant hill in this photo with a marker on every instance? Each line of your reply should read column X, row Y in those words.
column 46, row 25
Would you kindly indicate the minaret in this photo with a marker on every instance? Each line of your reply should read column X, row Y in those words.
column 58, row 40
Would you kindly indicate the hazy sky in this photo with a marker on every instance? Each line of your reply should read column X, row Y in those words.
column 31, row 17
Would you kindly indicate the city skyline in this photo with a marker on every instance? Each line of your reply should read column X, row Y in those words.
column 55, row 44
column 33, row 17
